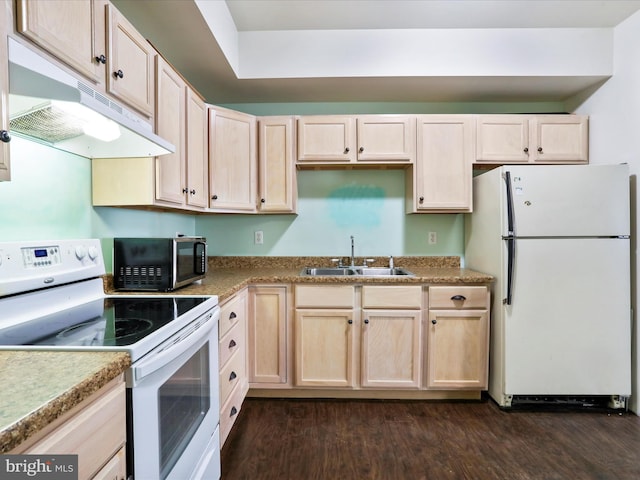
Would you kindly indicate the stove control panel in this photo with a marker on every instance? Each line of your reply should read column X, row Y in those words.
column 33, row 265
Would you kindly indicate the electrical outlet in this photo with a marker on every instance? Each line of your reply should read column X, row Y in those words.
column 258, row 237
column 433, row 238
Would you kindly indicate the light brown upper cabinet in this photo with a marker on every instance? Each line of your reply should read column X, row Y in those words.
column 5, row 136
column 232, row 161
column 366, row 139
column 93, row 38
column 507, row 139
column 181, row 118
column 276, row 165
column 442, row 178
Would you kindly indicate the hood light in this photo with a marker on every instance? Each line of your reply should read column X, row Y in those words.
column 93, row 124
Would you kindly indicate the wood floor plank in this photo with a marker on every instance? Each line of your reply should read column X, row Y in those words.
column 395, row 440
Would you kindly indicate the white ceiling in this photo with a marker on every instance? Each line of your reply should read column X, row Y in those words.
column 179, row 30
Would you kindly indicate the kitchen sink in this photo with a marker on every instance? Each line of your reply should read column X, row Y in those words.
column 355, row 271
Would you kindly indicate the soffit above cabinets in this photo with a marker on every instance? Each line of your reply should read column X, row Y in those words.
column 245, row 51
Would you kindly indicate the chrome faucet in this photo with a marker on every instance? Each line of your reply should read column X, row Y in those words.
column 353, row 260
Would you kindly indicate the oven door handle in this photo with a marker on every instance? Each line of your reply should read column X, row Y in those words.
column 181, row 343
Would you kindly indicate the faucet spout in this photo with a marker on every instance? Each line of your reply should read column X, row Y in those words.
column 353, row 260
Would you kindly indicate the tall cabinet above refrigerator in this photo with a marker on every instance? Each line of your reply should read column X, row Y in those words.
column 556, row 239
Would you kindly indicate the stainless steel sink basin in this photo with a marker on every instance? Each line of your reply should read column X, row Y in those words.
column 355, row 271
column 382, row 272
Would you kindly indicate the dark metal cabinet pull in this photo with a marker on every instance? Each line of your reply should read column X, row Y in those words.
column 118, row 74
column 4, row 136
column 232, row 315
column 101, row 59
column 434, row 321
column 232, row 343
column 458, row 298
column 233, row 376
column 366, row 320
column 234, row 410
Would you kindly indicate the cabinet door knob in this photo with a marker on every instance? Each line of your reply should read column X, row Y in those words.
column 233, row 411
column 350, row 321
column 262, row 200
column 366, row 320
column 540, row 149
column 361, row 149
column 4, row 136
column 526, row 149
column 192, row 192
column 118, row 74
column 233, row 376
column 421, row 200
column 101, row 59
column 346, row 150
column 185, row 190
column 232, row 315
column 434, row 321
column 214, row 197
column 232, row 344
column 458, row 298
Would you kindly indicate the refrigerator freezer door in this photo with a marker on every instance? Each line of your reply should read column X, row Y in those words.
column 568, row 331
column 570, row 200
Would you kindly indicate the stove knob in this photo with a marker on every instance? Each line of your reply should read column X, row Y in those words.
column 81, row 251
column 93, row 253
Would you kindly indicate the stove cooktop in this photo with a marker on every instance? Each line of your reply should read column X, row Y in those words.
column 104, row 322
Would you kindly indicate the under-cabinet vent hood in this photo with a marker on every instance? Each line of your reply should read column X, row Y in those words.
column 51, row 106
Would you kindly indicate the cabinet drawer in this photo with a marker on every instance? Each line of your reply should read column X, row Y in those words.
column 231, row 374
column 233, row 341
column 458, row 297
column 327, row 296
column 229, row 413
column 391, row 296
column 232, row 312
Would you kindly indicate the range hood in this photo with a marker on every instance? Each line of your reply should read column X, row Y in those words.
column 44, row 102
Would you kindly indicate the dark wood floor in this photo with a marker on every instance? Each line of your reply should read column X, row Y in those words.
column 344, row 439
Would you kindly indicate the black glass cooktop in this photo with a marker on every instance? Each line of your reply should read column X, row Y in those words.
column 109, row 322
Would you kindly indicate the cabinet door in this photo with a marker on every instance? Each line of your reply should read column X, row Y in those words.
column 391, row 352
column 502, row 139
column 443, row 172
column 276, row 165
column 386, row 138
column 5, row 172
column 267, row 335
column 170, row 124
column 130, row 64
column 560, row 139
column 324, row 348
column 457, row 349
column 232, row 161
column 74, row 32
column 326, row 138
column 196, row 151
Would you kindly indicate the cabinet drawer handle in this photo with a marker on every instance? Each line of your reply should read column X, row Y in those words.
column 232, row 315
column 233, row 376
column 458, row 298
column 232, row 344
column 118, row 74
column 234, row 410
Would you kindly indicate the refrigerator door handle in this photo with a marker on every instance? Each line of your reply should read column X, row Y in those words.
column 510, row 239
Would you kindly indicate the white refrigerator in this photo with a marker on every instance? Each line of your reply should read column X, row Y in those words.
column 556, row 239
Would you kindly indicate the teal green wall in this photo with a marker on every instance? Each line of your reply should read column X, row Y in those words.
column 332, row 206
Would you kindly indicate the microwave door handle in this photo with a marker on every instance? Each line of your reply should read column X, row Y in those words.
column 200, row 258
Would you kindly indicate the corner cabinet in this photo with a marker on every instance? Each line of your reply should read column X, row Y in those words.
column 5, row 136
column 232, row 161
column 540, row 139
column 442, row 179
column 276, row 165
column 458, row 338
column 181, row 177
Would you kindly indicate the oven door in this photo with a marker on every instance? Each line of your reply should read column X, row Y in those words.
column 174, row 410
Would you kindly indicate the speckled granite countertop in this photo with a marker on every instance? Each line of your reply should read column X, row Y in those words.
column 228, row 275
column 40, row 386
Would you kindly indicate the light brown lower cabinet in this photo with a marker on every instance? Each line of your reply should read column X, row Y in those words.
column 232, row 358
column 95, row 431
column 458, row 338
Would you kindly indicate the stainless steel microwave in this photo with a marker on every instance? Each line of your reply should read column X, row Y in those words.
column 158, row 264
